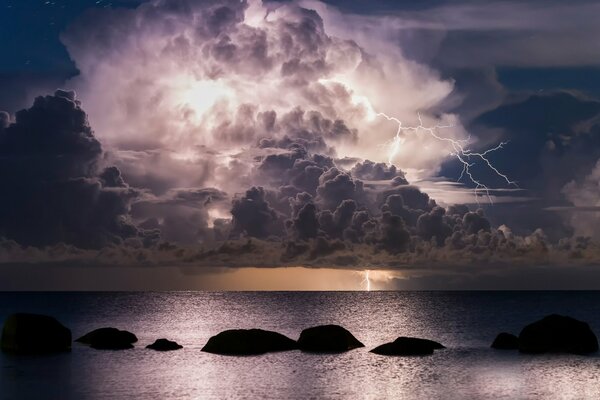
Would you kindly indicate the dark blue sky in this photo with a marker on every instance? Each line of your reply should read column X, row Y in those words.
column 30, row 29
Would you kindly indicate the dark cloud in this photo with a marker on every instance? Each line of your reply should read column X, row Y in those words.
column 298, row 202
column 306, row 224
column 52, row 191
column 552, row 139
column 431, row 225
column 307, row 129
column 412, row 197
column 253, row 216
column 335, row 223
column 458, row 209
column 336, row 186
column 286, row 142
column 394, row 204
column 371, row 171
column 50, row 140
column 324, row 247
column 474, row 222
column 313, row 125
column 391, row 234
column 359, row 226
column 111, row 177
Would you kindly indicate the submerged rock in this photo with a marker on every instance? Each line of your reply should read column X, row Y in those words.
column 408, row 346
column 34, row 334
column 248, row 342
column 164, row 345
column 108, row 339
column 505, row 341
column 558, row 334
column 327, row 339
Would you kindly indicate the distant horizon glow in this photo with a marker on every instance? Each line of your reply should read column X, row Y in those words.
column 366, row 281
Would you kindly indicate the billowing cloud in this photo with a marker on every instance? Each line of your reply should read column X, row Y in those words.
column 54, row 189
column 231, row 134
column 228, row 74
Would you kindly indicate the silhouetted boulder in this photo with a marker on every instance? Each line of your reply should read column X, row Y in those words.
column 327, row 339
column 34, row 334
column 248, row 342
column 558, row 334
column 408, row 346
column 109, row 339
column 164, row 345
column 505, row 341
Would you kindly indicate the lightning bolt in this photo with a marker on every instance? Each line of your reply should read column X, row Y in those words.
column 464, row 155
column 366, row 281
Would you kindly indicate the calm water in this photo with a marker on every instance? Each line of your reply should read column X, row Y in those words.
column 466, row 322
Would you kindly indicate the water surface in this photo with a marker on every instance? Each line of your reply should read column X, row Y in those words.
column 466, row 322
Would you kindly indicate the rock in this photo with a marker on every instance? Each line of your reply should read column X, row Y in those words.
column 408, row 346
column 558, row 334
column 327, row 339
column 164, row 345
column 34, row 334
column 505, row 341
column 248, row 342
column 108, row 339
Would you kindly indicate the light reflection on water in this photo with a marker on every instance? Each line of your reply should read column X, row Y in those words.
column 466, row 322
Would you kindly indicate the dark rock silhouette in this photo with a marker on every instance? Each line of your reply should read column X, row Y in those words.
column 505, row 341
column 108, row 339
column 408, row 346
column 164, row 345
column 248, row 342
column 327, row 339
column 34, row 334
column 558, row 334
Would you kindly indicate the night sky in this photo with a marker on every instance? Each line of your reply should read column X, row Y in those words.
column 172, row 144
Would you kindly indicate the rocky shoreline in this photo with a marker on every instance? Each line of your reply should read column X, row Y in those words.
column 25, row 333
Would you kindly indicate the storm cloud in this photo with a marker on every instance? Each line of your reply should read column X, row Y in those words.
column 54, row 189
column 235, row 134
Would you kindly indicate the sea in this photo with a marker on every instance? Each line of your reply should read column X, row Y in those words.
column 465, row 322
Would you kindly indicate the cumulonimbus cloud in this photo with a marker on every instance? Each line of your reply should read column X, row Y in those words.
column 246, row 134
column 225, row 74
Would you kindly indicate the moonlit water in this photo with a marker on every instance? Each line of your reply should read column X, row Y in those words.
column 466, row 322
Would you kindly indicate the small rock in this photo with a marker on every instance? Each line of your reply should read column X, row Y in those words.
column 505, row 341
column 34, row 334
column 248, row 342
column 408, row 346
column 164, row 345
column 327, row 339
column 558, row 334
column 108, row 339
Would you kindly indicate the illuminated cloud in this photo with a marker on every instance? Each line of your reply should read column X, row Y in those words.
column 236, row 134
column 227, row 74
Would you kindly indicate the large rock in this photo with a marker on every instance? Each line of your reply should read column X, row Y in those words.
column 164, row 345
column 248, row 342
column 34, row 334
column 327, row 339
column 505, row 341
column 408, row 346
column 558, row 334
column 108, row 339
